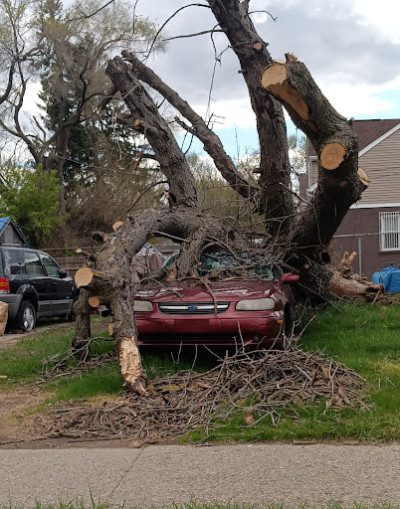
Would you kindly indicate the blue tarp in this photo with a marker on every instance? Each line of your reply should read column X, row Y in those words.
column 390, row 277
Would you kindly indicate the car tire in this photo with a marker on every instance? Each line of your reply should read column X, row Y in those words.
column 26, row 316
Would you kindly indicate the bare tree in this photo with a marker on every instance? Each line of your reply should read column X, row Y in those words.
column 65, row 51
column 299, row 241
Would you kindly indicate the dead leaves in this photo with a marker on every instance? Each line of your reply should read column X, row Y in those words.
column 248, row 417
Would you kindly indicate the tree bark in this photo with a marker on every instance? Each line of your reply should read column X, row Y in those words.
column 110, row 278
column 146, row 119
column 339, row 182
column 347, row 285
column 82, row 325
column 233, row 17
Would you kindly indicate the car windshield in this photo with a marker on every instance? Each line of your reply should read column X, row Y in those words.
column 224, row 262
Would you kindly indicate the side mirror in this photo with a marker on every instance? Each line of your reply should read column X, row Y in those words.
column 290, row 278
column 62, row 273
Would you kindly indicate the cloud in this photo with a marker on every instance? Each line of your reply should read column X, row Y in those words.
column 383, row 16
column 350, row 46
column 357, row 101
column 31, row 99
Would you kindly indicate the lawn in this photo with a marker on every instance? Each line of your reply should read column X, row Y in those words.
column 366, row 338
column 23, row 364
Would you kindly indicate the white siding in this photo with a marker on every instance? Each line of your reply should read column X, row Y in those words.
column 382, row 164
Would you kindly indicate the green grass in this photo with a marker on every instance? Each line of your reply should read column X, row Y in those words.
column 365, row 338
column 23, row 363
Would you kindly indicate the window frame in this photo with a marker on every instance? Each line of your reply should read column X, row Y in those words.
column 43, row 257
column 389, row 231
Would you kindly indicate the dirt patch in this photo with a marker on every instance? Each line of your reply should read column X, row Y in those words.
column 17, row 413
column 21, row 428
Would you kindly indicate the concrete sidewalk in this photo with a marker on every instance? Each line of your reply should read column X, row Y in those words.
column 159, row 475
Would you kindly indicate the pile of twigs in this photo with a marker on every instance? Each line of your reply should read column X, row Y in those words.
column 258, row 386
column 66, row 364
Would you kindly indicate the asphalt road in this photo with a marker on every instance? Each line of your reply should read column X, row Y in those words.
column 159, row 475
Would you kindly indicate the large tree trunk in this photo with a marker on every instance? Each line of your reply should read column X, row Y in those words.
column 146, row 119
column 82, row 326
column 339, row 182
column 277, row 201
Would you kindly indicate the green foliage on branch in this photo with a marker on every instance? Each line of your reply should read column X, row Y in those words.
column 30, row 197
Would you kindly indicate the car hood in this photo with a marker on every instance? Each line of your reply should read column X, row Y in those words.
column 232, row 290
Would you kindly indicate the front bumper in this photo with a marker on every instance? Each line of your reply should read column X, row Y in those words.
column 255, row 327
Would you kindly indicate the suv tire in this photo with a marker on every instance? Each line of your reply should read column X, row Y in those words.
column 26, row 316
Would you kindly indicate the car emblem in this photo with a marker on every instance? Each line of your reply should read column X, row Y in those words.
column 192, row 308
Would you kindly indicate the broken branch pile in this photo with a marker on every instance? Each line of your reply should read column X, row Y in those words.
column 64, row 364
column 257, row 386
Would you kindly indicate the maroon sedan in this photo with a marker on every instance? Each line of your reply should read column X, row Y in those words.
column 225, row 312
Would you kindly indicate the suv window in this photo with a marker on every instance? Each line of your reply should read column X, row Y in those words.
column 33, row 264
column 52, row 267
column 14, row 261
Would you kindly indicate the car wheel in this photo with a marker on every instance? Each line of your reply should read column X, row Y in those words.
column 26, row 317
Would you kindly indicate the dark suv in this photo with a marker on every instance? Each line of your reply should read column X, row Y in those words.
column 34, row 286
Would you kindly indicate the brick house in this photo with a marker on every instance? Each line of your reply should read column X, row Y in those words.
column 372, row 225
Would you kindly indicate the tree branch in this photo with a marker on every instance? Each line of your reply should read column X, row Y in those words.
column 168, row 20
column 147, row 119
column 251, row 50
column 212, row 143
column 186, row 36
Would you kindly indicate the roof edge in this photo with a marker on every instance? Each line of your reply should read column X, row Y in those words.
column 379, row 140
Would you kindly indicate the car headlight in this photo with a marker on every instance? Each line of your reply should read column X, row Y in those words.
column 255, row 304
column 142, row 306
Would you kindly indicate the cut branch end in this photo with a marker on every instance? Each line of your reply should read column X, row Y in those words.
column 275, row 80
column 332, row 155
column 363, row 177
column 94, row 301
column 83, row 277
column 117, row 225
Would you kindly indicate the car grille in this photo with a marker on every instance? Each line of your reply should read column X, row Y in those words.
column 192, row 308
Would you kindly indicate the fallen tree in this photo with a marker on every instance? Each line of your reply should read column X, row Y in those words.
column 347, row 285
column 298, row 241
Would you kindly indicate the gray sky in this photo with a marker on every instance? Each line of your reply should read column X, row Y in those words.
column 352, row 48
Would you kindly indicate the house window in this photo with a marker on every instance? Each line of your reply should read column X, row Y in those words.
column 389, row 230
